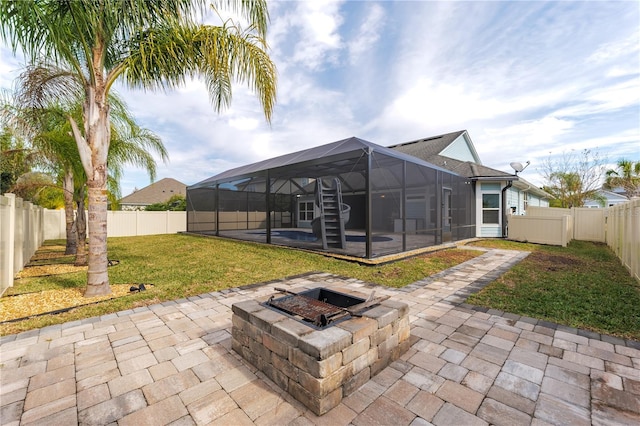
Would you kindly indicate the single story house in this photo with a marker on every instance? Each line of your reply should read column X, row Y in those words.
column 611, row 198
column 356, row 198
column 157, row 192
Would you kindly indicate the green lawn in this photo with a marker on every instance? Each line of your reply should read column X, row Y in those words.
column 181, row 266
column 583, row 285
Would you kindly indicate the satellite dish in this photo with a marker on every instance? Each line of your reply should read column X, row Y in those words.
column 518, row 167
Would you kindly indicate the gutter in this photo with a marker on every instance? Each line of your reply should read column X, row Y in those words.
column 504, row 208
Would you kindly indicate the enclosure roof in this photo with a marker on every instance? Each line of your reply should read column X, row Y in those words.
column 315, row 154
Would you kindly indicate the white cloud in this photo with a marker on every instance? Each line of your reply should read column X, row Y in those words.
column 367, row 34
column 628, row 47
column 522, row 141
column 308, row 34
column 604, row 99
column 427, row 103
column 524, row 78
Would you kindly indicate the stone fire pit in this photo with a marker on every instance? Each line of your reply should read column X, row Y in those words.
column 319, row 364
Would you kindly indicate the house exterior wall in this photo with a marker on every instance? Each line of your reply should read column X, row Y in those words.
column 521, row 200
column 536, row 201
column 487, row 225
column 515, row 199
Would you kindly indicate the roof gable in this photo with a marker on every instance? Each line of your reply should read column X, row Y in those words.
column 461, row 149
column 455, row 146
column 157, row 192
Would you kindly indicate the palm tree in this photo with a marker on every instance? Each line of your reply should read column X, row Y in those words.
column 86, row 46
column 49, row 133
column 569, row 190
column 627, row 177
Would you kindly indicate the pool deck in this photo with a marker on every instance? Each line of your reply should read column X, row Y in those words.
column 172, row 363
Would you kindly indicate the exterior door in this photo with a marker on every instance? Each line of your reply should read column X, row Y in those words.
column 446, row 215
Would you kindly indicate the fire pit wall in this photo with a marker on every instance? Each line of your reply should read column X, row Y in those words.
column 320, row 367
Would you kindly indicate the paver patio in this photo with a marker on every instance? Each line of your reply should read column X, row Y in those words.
column 172, row 363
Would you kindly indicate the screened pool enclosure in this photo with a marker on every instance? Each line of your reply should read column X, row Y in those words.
column 350, row 197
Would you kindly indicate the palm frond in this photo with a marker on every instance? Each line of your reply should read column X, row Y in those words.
column 41, row 85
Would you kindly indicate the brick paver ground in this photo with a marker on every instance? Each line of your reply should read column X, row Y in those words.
column 172, row 363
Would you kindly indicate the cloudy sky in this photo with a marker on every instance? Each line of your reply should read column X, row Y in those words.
column 526, row 79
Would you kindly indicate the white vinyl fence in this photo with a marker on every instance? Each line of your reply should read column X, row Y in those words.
column 556, row 231
column 123, row 223
column 21, row 233
column 24, row 227
column 623, row 234
column 584, row 224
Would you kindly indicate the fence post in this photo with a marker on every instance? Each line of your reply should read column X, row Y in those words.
column 10, row 243
column 18, row 236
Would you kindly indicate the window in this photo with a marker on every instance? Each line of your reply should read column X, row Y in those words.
column 491, row 208
column 525, row 198
column 305, row 212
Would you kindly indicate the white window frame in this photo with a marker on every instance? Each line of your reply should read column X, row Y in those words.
column 497, row 209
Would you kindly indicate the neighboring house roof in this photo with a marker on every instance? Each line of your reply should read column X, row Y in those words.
column 157, row 192
column 440, row 150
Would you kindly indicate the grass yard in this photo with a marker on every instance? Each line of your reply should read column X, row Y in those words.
column 583, row 285
column 180, row 266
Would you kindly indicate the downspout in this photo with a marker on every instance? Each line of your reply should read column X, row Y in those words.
column 504, row 208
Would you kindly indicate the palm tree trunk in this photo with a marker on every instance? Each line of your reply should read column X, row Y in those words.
column 97, row 277
column 72, row 235
column 93, row 149
column 81, row 231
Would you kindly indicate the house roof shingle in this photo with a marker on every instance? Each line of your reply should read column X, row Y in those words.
column 430, row 149
column 157, row 192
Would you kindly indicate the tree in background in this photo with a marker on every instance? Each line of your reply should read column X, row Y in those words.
column 177, row 203
column 574, row 178
column 15, row 159
column 625, row 176
column 84, row 47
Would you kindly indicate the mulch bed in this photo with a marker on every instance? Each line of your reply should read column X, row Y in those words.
column 25, row 305
column 46, row 270
column 30, row 304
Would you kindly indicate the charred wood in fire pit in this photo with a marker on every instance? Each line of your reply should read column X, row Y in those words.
column 319, row 312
